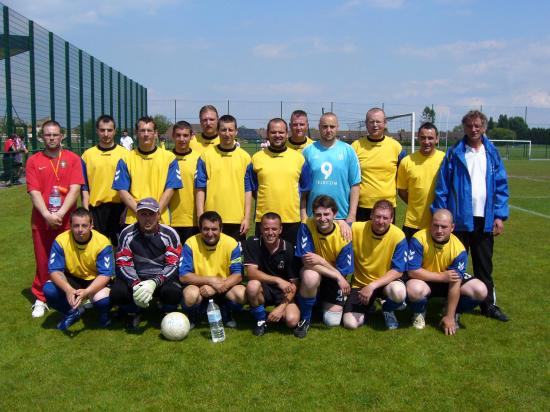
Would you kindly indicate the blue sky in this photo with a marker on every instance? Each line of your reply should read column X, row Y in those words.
column 358, row 53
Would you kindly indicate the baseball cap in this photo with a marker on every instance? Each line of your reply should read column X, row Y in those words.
column 148, row 203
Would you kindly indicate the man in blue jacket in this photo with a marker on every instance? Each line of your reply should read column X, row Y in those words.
column 472, row 184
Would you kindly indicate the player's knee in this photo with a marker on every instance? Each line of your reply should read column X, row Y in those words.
column 191, row 295
column 253, row 289
column 416, row 290
column 397, row 291
column 479, row 290
column 102, row 294
column 332, row 318
column 50, row 291
column 350, row 321
column 310, row 280
column 237, row 294
column 292, row 319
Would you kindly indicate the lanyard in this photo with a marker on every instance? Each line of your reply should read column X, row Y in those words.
column 56, row 168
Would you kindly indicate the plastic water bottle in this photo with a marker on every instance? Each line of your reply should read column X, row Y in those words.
column 54, row 201
column 215, row 321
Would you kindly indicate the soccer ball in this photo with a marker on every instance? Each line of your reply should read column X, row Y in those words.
column 175, row 326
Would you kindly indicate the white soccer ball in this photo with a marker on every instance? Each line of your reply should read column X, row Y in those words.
column 175, row 326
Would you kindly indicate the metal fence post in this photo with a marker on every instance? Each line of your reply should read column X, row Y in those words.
column 52, row 77
column 34, row 142
column 68, row 95
column 7, row 70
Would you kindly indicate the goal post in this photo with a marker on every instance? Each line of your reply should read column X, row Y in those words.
column 402, row 127
column 509, row 149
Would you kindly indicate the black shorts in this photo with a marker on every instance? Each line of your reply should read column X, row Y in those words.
column 106, row 217
column 409, row 231
column 78, row 283
column 185, row 232
column 272, row 294
column 441, row 289
column 233, row 230
column 353, row 304
column 330, row 292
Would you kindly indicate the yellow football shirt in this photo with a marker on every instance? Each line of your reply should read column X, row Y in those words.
column 417, row 174
column 182, row 205
column 199, row 143
column 378, row 161
column 376, row 254
column 299, row 147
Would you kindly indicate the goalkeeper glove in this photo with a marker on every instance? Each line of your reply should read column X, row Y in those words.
column 143, row 293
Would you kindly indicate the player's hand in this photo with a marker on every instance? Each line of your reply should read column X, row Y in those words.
column 217, row 284
column 80, row 296
column 276, row 314
column 53, row 220
column 285, row 286
column 71, row 297
column 312, row 259
column 451, row 276
column 245, row 224
column 207, row 291
column 365, row 294
column 143, row 292
column 498, row 227
column 345, row 229
column 344, row 285
column 448, row 325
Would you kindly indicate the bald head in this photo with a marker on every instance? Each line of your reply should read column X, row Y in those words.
column 442, row 225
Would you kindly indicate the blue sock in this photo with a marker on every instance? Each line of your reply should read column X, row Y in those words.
column 259, row 313
column 56, row 298
column 191, row 312
column 103, row 306
column 166, row 308
column 237, row 307
column 306, row 307
column 418, row 306
column 466, row 304
column 389, row 305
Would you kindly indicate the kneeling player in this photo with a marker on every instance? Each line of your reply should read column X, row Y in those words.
column 380, row 250
column 273, row 274
column 80, row 267
column 211, row 268
column 328, row 260
column 147, row 264
column 437, row 269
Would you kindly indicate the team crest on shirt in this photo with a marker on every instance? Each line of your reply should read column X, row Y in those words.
column 63, row 164
column 281, row 265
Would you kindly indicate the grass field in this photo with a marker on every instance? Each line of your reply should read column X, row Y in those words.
column 487, row 366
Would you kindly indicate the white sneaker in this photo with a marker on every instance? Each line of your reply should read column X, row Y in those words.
column 419, row 321
column 39, row 309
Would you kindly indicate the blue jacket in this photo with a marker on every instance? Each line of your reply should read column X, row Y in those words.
column 453, row 190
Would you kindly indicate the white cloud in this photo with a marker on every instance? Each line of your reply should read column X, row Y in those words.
column 270, row 51
column 456, row 50
column 61, row 15
column 537, row 98
column 302, row 47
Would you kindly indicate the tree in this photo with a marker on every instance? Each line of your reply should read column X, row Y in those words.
column 491, row 124
column 163, row 124
column 518, row 125
column 500, row 133
column 428, row 115
column 458, row 129
column 503, row 121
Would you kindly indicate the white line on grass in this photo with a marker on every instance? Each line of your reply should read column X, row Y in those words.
column 543, row 179
column 530, row 211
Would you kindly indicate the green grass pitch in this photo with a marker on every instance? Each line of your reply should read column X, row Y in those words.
column 487, row 366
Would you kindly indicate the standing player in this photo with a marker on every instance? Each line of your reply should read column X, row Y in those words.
column 379, row 156
column 272, row 271
column 380, row 251
column 416, row 177
column 208, row 117
column 335, row 171
column 147, row 264
column 182, row 204
column 147, row 171
column 58, row 168
column 80, row 267
column 280, row 177
column 211, row 267
column 99, row 165
column 223, row 181
column 328, row 260
column 437, row 267
column 299, row 126
column 126, row 141
column 473, row 185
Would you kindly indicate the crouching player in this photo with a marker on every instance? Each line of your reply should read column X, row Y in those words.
column 437, row 269
column 146, row 264
column 272, row 271
column 380, row 250
column 80, row 267
column 328, row 260
column 211, row 268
